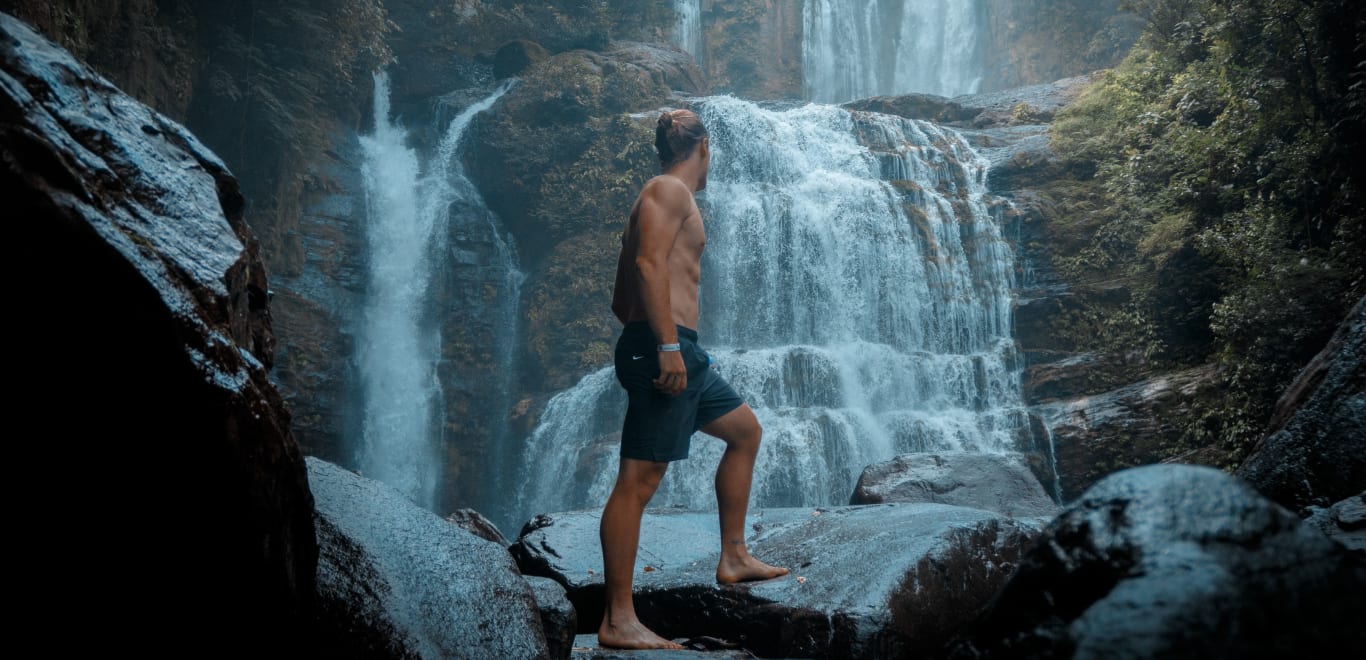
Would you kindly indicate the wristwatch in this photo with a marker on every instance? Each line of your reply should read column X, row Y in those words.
column 664, row 348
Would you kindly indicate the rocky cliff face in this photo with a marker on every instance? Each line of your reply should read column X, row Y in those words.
column 146, row 357
column 1315, row 453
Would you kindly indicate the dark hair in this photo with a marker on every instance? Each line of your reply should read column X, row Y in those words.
column 677, row 134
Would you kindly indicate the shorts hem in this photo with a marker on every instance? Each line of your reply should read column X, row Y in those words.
column 701, row 423
column 641, row 456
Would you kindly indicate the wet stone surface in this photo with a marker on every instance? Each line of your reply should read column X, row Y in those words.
column 865, row 581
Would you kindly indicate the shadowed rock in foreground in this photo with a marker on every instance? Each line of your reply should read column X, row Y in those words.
column 1175, row 561
column 866, row 581
column 176, row 511
column 1316, row 451
column 397, row 581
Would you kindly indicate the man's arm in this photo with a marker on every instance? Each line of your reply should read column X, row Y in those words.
column 663, row 208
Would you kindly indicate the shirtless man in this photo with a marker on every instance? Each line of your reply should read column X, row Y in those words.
column 673, row 391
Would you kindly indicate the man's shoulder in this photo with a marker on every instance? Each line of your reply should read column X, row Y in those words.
column 668, row 191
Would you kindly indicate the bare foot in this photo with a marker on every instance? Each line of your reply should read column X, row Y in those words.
column 632, row 635
column 744, row 569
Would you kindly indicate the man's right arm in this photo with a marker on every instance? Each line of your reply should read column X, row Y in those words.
column 663, row 208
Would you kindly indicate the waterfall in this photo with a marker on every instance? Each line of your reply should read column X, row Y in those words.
column 408, row 207
column 855, row 290
column 857, row 48
column 688, row 30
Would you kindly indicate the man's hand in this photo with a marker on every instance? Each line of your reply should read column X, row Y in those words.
column 673, row 375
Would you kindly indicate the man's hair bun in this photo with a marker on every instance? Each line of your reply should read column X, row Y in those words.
column 666, row 120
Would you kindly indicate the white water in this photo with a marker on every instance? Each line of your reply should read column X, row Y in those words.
column 688, row 30
column 858, row 48
column 398, row 342
column 855, row 290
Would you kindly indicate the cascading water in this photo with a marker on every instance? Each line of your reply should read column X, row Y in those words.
column 398, row 341
column 856, row 291
column 688, row 30
column 858, row 48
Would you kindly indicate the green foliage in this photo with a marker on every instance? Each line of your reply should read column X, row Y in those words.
column 1216, row 166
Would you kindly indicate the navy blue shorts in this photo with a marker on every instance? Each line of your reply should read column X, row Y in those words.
column 658, row 426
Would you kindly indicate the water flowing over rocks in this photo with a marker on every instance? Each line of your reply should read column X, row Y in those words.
column 144, row 355
column 397, row 581
column 992, row 482
column 866, row 581
column 1175, row 562
column 1315, row 453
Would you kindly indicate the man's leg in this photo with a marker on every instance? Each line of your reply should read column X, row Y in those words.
column 741, row 432
column 637, row 481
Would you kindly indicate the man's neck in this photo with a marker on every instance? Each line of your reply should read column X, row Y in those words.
column 686, row 174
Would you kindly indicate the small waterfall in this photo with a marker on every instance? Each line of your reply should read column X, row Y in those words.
column 856, row 291
column 398, row 341
column 688, row 30
column 857, row 48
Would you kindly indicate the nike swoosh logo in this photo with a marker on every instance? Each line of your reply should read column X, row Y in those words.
column 637, row 357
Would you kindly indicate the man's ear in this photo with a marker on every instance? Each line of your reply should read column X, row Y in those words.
column 706, row 145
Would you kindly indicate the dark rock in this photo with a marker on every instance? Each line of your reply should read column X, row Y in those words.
column 1094, row 435
column 753, row 48
column 475, row 523
column 1315, row 452
column 929, row 107
column 395, row 580
column 1344, row 522
column 994, row 482
column 558, row 618
column 143, row 338
column 866, row 581
column 1034, row 104
column 1175, row 561
column 586, row 648
column 666, row 64
column 515, row 56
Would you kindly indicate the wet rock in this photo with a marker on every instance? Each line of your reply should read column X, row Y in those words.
column 558, row 618
column 586, row 648
column 144, row 339
column 1094, row 435
column 1175, row 561
column 515, row 56
column 929, row 107
column 921, row 571
column 1033, row 104
column 395, row 580
column 1344, row 522
column 475, row 523
column 753, row 48
column 1315, row 453
column 993, row 482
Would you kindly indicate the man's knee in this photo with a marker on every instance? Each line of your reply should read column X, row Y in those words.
column 641, row 474
column 747, row 436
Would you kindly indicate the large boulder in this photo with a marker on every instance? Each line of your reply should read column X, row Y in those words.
column 994, row 482
column 559, row 620
column 1175, row 561
column 1315, row 453
column 866, row 581
column 397, row 581
column 143, row 341
column 1094, row 435
column 1344, row 522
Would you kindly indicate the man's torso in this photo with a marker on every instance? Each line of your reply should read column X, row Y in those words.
column 684, row 266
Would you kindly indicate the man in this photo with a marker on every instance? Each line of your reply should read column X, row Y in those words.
column 673, row 392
